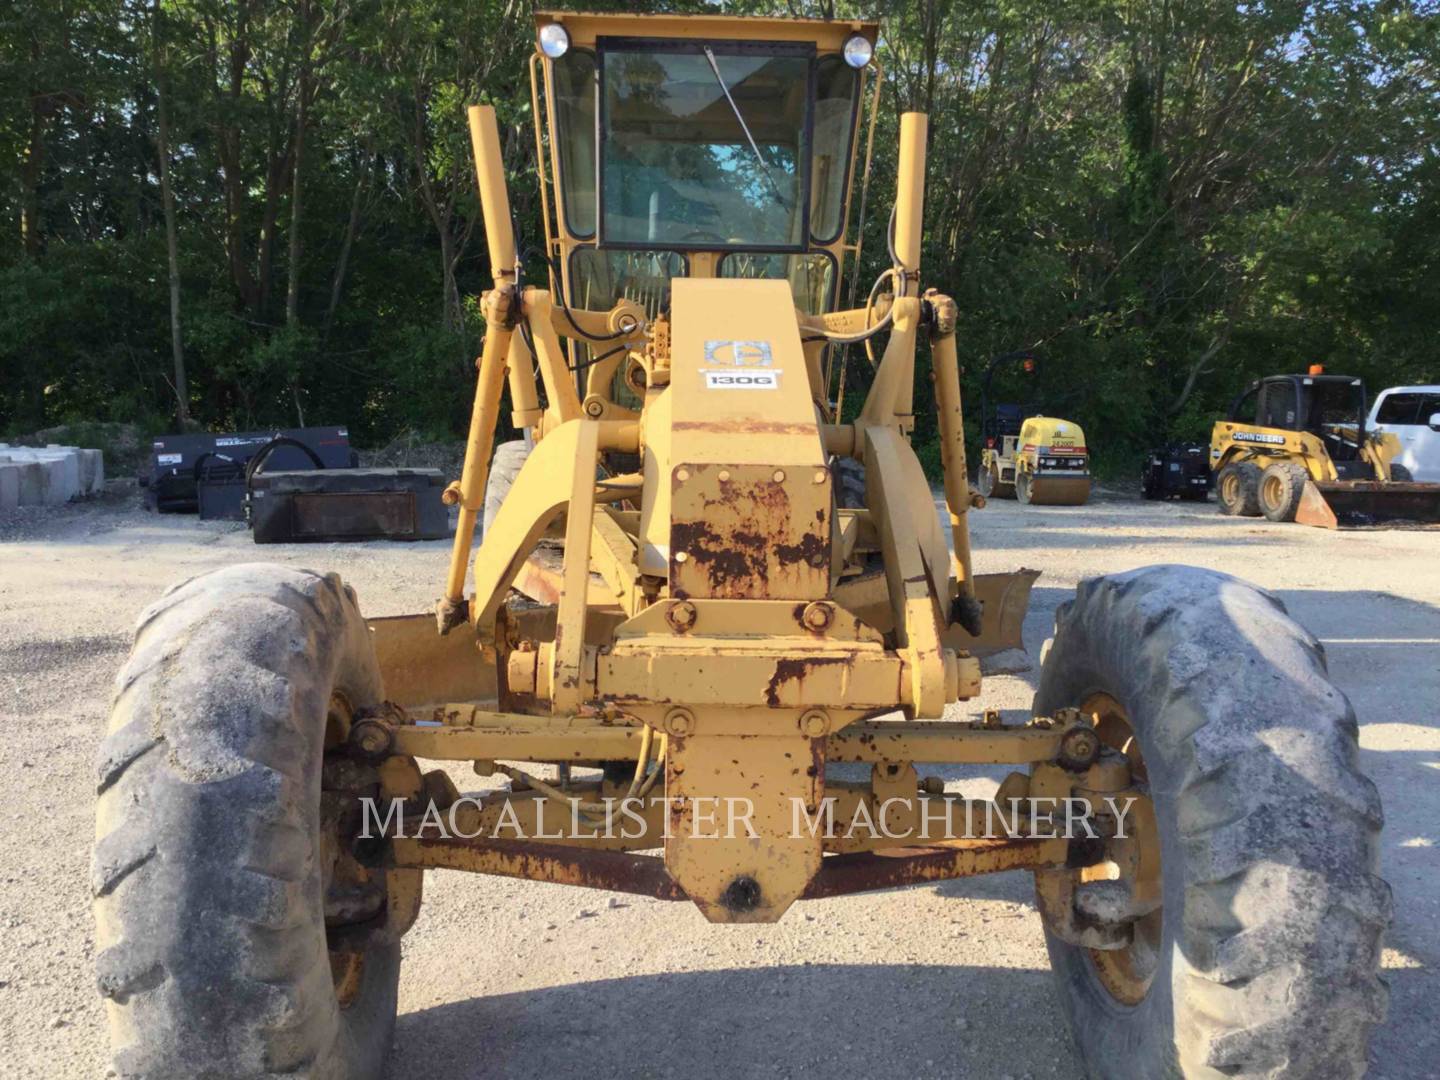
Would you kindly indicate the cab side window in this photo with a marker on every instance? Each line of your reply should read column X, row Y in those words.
column 1277, row 406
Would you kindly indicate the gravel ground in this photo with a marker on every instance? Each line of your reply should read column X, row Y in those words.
column 519, row 980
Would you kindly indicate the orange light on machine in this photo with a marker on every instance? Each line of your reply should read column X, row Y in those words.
column 1317, row 369
column 1029, row 365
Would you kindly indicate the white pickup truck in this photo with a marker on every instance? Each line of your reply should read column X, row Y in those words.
column 1411, row 414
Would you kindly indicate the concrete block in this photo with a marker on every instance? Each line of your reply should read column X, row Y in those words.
column 46, row 479
column 92, row 471
column 9, row 485
column 53, row 475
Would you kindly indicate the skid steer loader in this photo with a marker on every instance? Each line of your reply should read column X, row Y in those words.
column 726, row 691
column 1295, row 448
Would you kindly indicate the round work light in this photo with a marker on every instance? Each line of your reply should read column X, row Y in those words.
column 554, row 40
column 858, row 50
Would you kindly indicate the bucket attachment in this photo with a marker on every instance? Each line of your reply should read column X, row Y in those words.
column 1059, row 490
column 1314, row 510
column 1367, row 502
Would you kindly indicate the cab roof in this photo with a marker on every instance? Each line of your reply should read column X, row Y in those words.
column 1306, row 377
column 828, row 35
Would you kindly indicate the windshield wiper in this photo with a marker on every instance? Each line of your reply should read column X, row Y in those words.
column 754, row 149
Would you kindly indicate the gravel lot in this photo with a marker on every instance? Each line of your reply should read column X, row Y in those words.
column 507, row 979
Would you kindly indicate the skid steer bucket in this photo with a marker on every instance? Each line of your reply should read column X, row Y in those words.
column 1337, row 503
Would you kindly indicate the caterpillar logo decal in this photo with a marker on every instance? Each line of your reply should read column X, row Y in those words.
column 739, row 353
column 746, row 366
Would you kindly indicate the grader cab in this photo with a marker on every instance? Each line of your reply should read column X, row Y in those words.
column 721, row 683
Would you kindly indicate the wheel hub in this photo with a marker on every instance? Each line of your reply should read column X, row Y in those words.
column 1127, row 973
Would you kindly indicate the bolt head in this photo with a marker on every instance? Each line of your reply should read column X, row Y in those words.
column 681, row 615
column 817, row 616
column 680, row 722
column 814, row 724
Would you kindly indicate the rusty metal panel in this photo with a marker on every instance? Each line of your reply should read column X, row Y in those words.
column 750, row 532
column 733, row 446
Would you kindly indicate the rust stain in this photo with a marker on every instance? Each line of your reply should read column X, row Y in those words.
column 736, row 564
column 812, row 550
column 618, row 871
column 796, row 670
column 894, row 868
column 744, row 427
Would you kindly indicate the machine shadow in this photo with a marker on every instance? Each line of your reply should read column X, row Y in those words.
column 881, row 1020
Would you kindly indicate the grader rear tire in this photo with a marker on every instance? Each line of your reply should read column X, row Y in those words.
column 1264, row 960
column 212, row 947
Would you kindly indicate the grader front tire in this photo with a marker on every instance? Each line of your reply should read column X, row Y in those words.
column 1269, row 931
column 209, row 864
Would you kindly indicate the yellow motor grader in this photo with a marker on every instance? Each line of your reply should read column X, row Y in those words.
column 660, row 705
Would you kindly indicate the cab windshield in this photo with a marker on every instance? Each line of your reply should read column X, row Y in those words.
column 704, row 145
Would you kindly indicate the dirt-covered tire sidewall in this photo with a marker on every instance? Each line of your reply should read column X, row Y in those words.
column 1281, row 486
column 1268, row 833
column 848, row 479
column 1237, row 489
column 211, row 947
column 1136, row 1040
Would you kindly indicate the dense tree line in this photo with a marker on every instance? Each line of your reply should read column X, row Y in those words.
column 242, row 212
